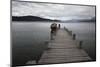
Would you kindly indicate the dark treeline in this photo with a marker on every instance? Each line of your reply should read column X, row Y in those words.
column 30, row 18
column 35, row 18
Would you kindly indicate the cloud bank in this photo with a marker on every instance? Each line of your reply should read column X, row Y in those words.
column 52, row 11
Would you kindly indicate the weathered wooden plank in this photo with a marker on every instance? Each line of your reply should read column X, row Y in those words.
column 62, row 45
column 64, row 52
column 64, row 60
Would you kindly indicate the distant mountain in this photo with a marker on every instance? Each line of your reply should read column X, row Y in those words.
column 30, row 18
column 93, row 19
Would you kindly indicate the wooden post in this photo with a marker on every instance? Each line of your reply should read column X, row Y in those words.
column 74, row 36
column 80, row 44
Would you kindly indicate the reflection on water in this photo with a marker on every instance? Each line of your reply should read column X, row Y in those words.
column 28, row 39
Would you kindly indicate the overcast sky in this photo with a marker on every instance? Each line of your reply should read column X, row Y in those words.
column 52, row 11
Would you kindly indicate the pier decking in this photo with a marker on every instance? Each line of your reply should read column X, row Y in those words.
column 63, row 49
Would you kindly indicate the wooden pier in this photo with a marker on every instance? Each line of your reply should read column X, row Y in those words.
column 63, row 49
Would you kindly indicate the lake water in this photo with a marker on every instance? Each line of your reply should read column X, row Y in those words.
column 28, row 39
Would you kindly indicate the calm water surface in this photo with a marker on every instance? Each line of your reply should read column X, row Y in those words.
column 28, row 39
